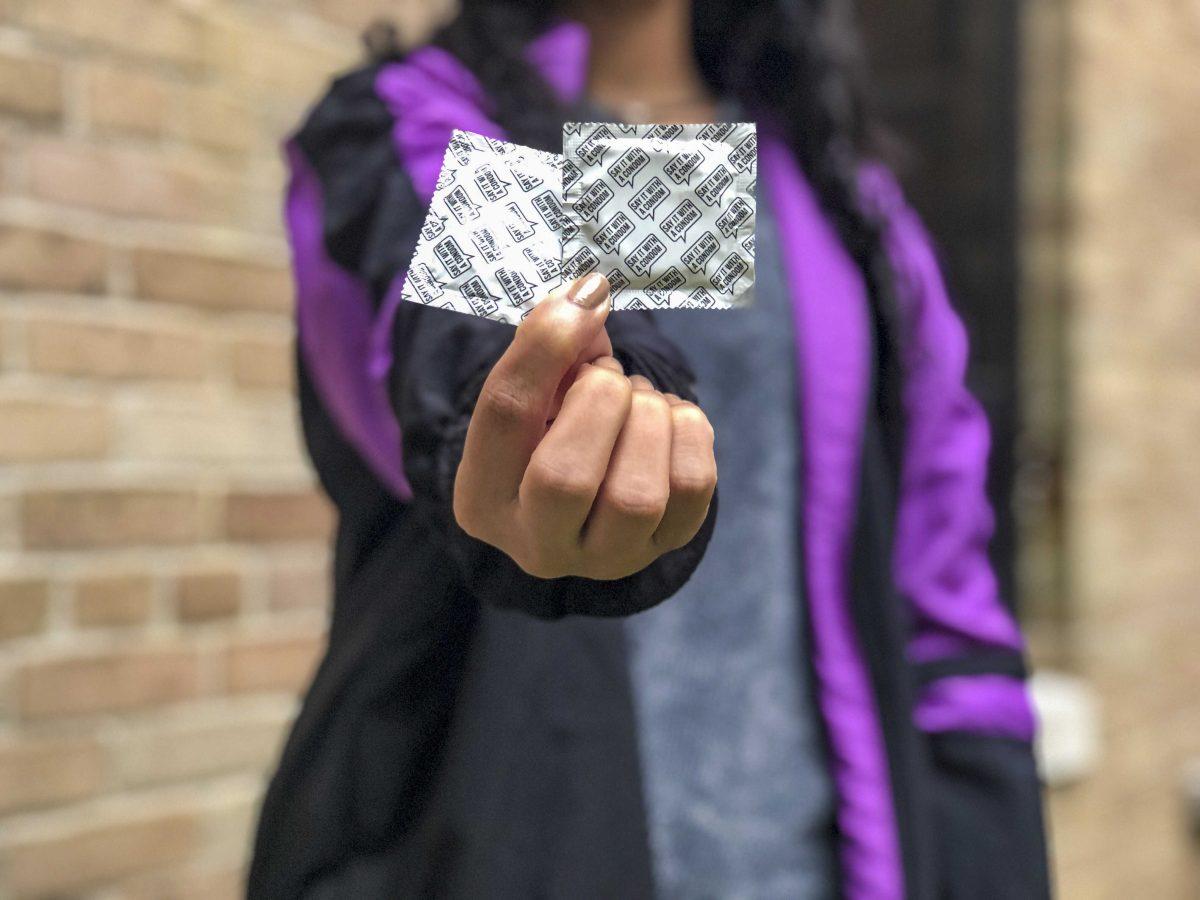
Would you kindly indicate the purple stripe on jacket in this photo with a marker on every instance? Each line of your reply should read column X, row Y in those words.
column 995, row 705
column 832, row 336
column 335, row 321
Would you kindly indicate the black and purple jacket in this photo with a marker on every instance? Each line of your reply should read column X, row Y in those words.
column 470, row 732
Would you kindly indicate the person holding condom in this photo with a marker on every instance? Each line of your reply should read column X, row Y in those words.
column 554, row 668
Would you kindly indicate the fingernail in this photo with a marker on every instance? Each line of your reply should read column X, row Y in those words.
column 590, row 291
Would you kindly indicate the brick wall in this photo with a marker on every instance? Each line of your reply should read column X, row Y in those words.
column 1113, row 325
column 163, row 550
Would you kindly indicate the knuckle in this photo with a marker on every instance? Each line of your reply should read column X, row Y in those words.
column 691, row 417
column 693, row 479
column 504, row 404
column 559, row 483
column 606, row 386
column 652, row 402
column 637, row 501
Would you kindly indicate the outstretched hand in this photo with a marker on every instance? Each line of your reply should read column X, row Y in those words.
column 572, row 468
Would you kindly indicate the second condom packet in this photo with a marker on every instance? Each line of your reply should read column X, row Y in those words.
column 666, row 212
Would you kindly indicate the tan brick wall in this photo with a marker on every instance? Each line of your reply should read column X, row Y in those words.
column 163, row 549
column 1112, row 314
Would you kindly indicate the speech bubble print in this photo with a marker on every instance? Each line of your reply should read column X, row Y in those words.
column 490, row 185
column 446, row 177
column 547, row 206
column 696, row 257
column 581, row 262
column 460, row 148
column 461, row 206
column 744, row 156
column 749, row 244
column 660, row 288
column 646, row 201
column 595, row 146
column 572, row 128
column 594, row 199
column 514, row 283
column 451, row 256
column 625, row 169
column 713, row 187
column 424, row 284
column 488, row 246
column 547, row 269
column 571, row 173
column 702, row 299
column 680, row 220
column 434, row 226
column 664, row 132
column 617, row 282
column 614, row 232
column 732, row 219
column 526, row 181
column 645, row 254
column 636, row 303
column 681, row 166
column 716, row 133
column 483, row 303
column 570, row 228
column 728, row 273
column 517, row 224
column 497, row 147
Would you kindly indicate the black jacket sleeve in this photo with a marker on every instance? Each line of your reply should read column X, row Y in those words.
column 441, row 358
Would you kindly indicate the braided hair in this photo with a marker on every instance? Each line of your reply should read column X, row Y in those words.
column 795, row 62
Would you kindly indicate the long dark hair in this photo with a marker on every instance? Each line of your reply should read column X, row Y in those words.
column 795, row 62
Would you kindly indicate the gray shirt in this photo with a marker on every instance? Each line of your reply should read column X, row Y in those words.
column 740, row 798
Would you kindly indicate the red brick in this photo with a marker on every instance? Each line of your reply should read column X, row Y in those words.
column 49, row 429
column 139, row 27
column 209, row 595
column 264, row 363
column 187, row 884
column 218, row 119
column 23, row 604
column 123, row 599
column 211, row 281
column 93, row 348
column 278, row 516
column 130, row 182
column 73, row 859
column 274, row 664
column 185, row 748
column 124, row 100
column 36, row 773
column 109, row 682
column 31, row 87
column 36, row 259
column 109, row 517
column 298, row 586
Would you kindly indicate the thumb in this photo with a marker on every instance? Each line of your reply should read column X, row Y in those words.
column 552, row 338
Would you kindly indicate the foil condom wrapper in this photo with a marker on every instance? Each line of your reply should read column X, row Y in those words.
column 666, row 212
column 491, row 244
